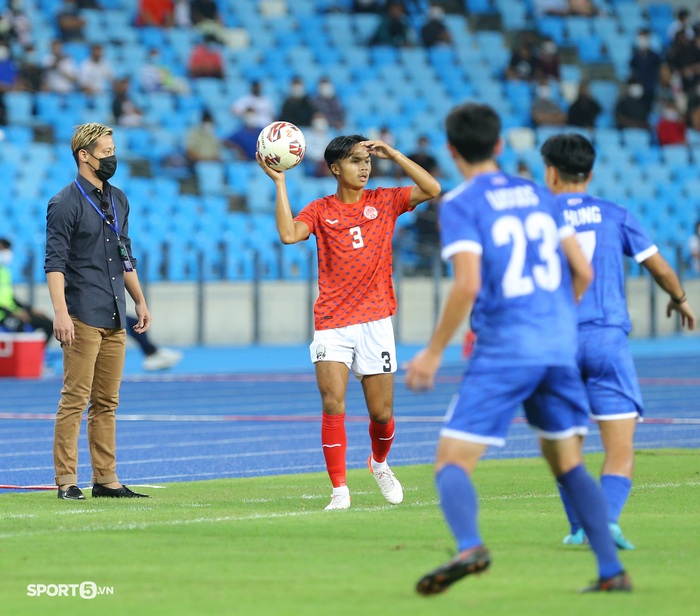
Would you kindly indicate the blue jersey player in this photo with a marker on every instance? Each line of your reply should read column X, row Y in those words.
column 607, row 233
column 517, row 267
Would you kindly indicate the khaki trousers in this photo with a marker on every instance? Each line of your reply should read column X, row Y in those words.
column 92, row 373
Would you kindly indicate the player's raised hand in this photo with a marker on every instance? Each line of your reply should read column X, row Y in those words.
column 421, row 370
column 684, row 310
column 272, row 173
column 379, row 148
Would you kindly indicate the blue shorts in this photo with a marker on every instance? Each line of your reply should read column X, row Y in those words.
column 609, row 374
column 553, row 397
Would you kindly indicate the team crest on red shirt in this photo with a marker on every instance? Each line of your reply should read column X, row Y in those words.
column 370, row 212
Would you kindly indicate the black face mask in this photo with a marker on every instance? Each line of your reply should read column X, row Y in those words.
column 107, row 168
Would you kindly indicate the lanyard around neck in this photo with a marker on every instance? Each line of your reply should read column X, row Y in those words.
column 115, row 226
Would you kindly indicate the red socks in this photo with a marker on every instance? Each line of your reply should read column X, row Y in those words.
column 335, row 442
column 382, row 436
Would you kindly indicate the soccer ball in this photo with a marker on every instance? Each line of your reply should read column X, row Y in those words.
column 281, row 145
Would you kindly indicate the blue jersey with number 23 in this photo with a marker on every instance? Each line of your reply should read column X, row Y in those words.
column 525, row 312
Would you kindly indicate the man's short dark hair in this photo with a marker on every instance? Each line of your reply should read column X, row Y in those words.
column 5, row 243
column 570, row 154
column 341, row 147
column 473, row 130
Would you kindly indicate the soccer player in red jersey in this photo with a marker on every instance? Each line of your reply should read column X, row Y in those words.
column 354, row 229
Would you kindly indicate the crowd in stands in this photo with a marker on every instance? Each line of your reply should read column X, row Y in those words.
column 200, row 71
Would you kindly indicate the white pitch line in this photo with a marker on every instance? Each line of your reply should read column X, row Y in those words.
column 296, row 514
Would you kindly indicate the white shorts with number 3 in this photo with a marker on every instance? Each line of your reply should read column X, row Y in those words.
column 367, row 348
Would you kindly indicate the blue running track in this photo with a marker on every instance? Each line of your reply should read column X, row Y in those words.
column 239, row 412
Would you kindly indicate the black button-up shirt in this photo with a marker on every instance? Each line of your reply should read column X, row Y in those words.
column 84, row 247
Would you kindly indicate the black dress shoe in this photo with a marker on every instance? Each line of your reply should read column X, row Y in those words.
column 72, row 493
column 123, row 492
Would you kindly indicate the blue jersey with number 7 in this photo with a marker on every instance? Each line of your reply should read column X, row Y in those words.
column 525, row 312
column 607, row 233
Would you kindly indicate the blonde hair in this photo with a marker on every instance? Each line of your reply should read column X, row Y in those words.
column 86, row 135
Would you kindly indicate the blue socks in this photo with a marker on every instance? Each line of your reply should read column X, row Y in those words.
column 459, row 505
column 616, row 489
column 574, row 522
column 587, row 500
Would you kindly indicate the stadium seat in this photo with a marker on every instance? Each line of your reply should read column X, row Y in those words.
column 20, row 108
column 210, row 177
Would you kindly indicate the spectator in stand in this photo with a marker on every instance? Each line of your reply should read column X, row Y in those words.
column 682, row 59
column 205, row 17
column 201, row 142
column 394, row 28
column 544, row 110
column 157, row 13
column 206, row 59
column 548, row 63
column 670, row 129
column 424, row 158
column 31, row 73
column 244, row 140
column 585, row 109
column 297, row 108
column 9, row 73
column 263, row 106
column 156, row 77
column 694, row 249
column 96, row 73
column 328, row 103
column 631, row 110
column 70, row 23
column 181, row 14
column 384, row 167
column 434, row 31
column 317, row 138
column 124, row 110
column 692, row 116
column 645, row 66
column 21, row 26
column 682, row 23
column 523, row 63
column 16, row 316
column 60, row 70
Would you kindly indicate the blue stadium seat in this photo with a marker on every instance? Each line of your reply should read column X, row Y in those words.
column 20, row 108
column 210, row 177
column 553, row 27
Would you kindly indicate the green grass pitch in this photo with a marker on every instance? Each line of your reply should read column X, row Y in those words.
column 265, row 546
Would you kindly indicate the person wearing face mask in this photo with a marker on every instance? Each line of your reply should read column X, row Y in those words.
column 89, row 267
column 327, row 102
column 244, row 140
column 544, row 110
column 201, row 141
column 631, row 110
column 263, row 106
column 548, row 64
column 645, row 65
column 297, row 108
column 670, row 129
column 16, row 316
column 317, row 137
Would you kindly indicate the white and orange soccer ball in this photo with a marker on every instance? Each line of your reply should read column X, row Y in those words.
column 281, row 145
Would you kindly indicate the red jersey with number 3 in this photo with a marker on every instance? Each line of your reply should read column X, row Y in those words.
column 354, row 255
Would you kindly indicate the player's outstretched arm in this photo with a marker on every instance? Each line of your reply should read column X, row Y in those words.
column 290, row 231
column 581, row 270
column 667, row 279
column 426, row 186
